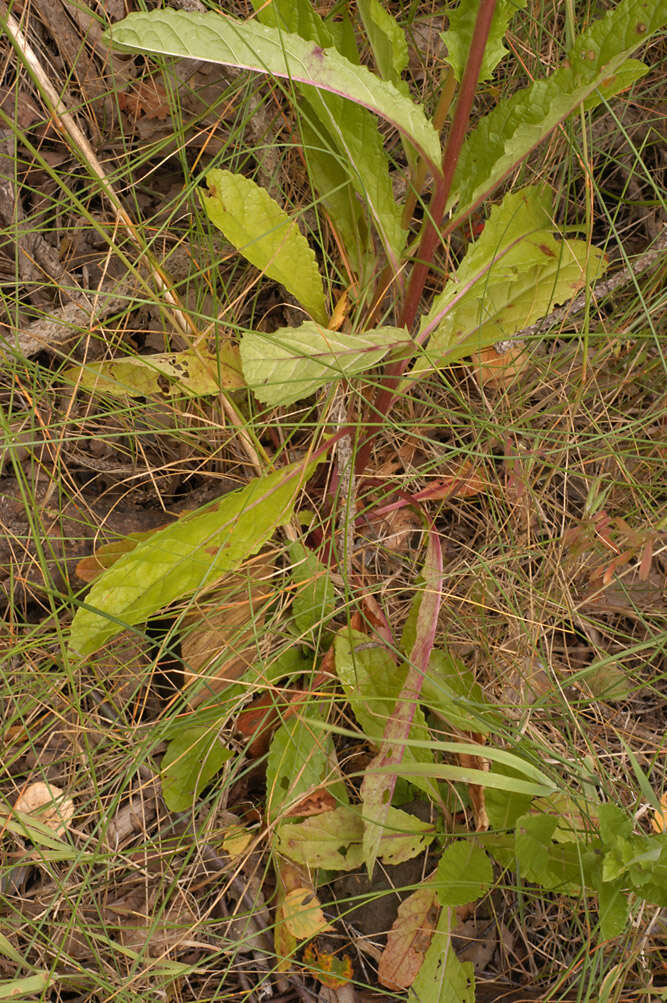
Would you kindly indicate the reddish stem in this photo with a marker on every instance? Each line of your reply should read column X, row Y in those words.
column 443, row 184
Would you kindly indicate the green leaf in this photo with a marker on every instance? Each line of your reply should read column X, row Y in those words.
column 532, row 842
column 464, row 873
column 300, row 760
column 194, row 373
column 387, row 40
column 506, row 135
column 442, row 977
column 372, row 682
column 294, row 362
column 314, row 602
column 191, row 759
column 258, row 47
column 344, row 148
column 186, row 556
column 510, row 277
column 459, row 35
column 613, row 910
column 266, row 236
column 333, row 839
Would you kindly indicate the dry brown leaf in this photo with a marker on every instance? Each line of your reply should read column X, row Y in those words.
column 48, row 804
column 408, row 940
column 498, row 370
column 659, row 820
column 219, row 641
column 476, row 792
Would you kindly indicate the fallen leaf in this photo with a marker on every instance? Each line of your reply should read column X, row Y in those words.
column 220, row 638
column 659, row 820
column 476, row 792
column 498, row 370
column 408, row 940
column 48, row 804
column 303, row 914
column 326, row 967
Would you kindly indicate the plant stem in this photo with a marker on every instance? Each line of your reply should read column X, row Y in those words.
column 443, row 184
column 450, row 159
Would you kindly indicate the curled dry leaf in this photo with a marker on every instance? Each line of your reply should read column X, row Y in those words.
column 48, row 804
column 498, row 370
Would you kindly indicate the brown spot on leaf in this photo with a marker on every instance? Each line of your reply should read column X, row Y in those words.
column 546, row 250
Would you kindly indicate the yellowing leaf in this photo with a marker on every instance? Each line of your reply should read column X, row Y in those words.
column 513, row 274
column 294, row 362
column 193, row 373
column 187, row 556
column 264, row 234
column 303, row 914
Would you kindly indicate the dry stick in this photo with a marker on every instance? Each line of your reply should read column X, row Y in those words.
column 431, row 234
column 601, row 289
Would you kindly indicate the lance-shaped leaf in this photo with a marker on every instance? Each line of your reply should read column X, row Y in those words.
column 294, row 362
column 264, row 234
column 377, row 788
column 510, row 277
column 218, row 39
column 194, row 373
column 344, row 150
column 507, row 134
column 387, row 39
column 186, row 556
column 458, row 36
column 372, row 682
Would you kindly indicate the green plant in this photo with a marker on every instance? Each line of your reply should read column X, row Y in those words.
column 518, row 268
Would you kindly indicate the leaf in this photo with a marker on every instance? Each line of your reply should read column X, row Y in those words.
column 333, row 839
column 387, row 40
column 294, row 362
column 303, row 914
column 328, row 968
column 301, row 760
column 346, row 158
column 47, row 804
column 191, row 759
column 219, row 639
column 443, row 978
column 408, row 940
column 314, row 602
column 372, row 682
column 193, row 373
column 659, row 820
column 377, row 788
column 532, row 842
column 459, row 36
column 266, row 236
column 507, row 134
column 257, row 47
column 510, row 277
column 464, row 873
column 613, row 908
column 186, row 556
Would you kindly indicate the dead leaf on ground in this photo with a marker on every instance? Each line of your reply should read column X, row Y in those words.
column 48, row 804
column 659, row 820
column 331, row 969
column 409, row 939
column 498, row 370
column 219, row 641
column 477, row 796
